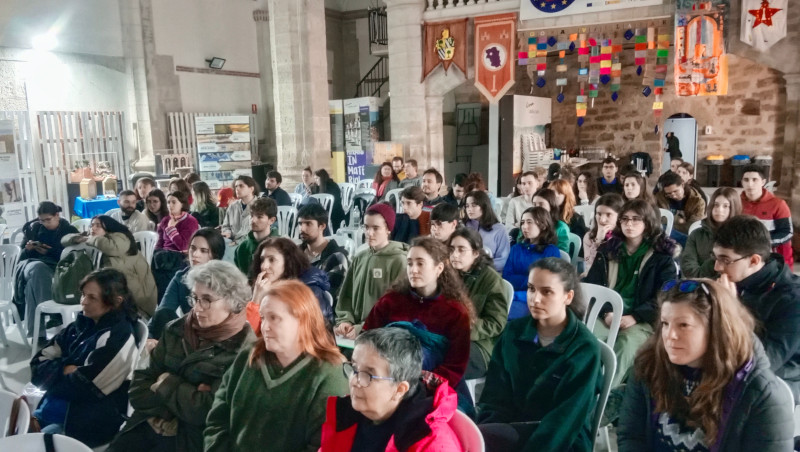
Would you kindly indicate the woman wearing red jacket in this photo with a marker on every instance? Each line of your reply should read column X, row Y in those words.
column 390, row 407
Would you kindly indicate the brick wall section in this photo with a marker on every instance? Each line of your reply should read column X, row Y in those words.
column 746, row 121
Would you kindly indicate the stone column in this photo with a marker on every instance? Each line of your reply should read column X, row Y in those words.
column 269, row 153
column 409, row 109
column 434, row 106
column 139, row 111
column 300, row 85
column 790, row 168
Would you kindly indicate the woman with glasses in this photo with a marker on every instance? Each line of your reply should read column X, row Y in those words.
column 273, row 396
column 393, row 404
column 121, row 251
column 206, row 244
column 545, row 373
column 85, row 369
column 481, row 218
column 172, row 396
column 635, row 262
column 487, row 292
column 702, row 382
column 697, row 260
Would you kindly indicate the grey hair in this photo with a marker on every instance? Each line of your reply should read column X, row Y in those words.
column 399, row 348
column 224, row 279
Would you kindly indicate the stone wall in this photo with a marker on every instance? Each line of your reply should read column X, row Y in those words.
column 746, row 121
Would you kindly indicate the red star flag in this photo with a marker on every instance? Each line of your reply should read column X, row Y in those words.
column 763, row 22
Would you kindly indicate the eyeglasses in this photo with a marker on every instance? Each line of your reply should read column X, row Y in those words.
column 632, row 220
column 685, row 286
column 363, row 378
column 725, row 262
column 193, row 301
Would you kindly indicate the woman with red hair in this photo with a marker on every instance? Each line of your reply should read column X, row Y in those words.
column 273, row 396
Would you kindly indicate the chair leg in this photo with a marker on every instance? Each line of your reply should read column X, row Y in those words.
column 3, row 338
column 37, row 323
column 20, row 326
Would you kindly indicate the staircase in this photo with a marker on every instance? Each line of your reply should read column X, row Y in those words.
column 372, row 83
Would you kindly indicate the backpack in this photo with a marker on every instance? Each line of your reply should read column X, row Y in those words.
column 68, row 275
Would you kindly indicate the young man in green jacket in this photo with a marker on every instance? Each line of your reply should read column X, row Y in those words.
column 263, row 214
column 371, row 273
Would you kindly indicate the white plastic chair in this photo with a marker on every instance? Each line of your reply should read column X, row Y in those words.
column 499, row 204
column 23, row 419
column 788, row 392
column 3, row 228
column 356, row 234
column 347, row 243
column 296, row 198
column 326, row 201
column 34, row 442
column 670, row 220
column 489, row 252
column 83, row 225
column 564, row 255
column 574, row 248
column 694, row 226
column 365, row 183
column 9, row 255
column 770, row 186
column 595, row 297
column 587, row 212
column 147, row 243
column 328, row 297
column 609, row 360
column 286, row 220
column 140, row 332
column 14, row 239
column 395, row 194
column 467, row 433
column 347, row 189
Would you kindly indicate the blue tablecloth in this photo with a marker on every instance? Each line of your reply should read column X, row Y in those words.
column 97, row 206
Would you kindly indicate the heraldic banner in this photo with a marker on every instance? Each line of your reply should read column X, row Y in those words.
column 445, row 43
column 763, row 22
column 495, row 47
column 701, row 64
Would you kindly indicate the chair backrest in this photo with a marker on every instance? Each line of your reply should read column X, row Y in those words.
column 467, row 433
column 83, row 225
column 327, row 202
column 147, row 243
column 34, row 442
column 788, row 390
column 328, row 297
column 508, row 288
column 365, row 183
column 587, row 212
column 565, row 256
column 10, row 256
column 14, row 239
column 362, row 247
column 347, row 189
column 488, row 251
column 574, row 248
column 395, row 194
column 609, row 360
column 141, row 332
column 770, row 186
column 287, row 217
column 668, row 218
column 23, row 418
column 595, row 297
column 695, row 225
column 296, row 198
column 347, row 243
column 498, row 205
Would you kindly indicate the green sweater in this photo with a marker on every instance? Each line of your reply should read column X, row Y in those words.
column 562, row 232
column 485, row 288
column 272, row 409
column 243, row 256
column 555, row 385
column 370, row 275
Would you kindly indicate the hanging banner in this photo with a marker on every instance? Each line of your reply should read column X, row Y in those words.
column 537, row 9
column 445, row 43
column 763, row 22
column 12, row 212
column 223, row 149
column 701, row 64
column 495, row 44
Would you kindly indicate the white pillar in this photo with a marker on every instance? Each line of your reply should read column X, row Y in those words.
column 494, row 148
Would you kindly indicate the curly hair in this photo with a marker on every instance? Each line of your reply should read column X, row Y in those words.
column 449, row 283
column 295, row 261
column 653, row 234
column 730, row 345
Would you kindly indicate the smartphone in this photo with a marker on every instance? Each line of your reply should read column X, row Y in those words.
column 85, row 233
column 36, row 244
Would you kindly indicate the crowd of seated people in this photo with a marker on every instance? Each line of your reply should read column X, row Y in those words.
column 291, row 343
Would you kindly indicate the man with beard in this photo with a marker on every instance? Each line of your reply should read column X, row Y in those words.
column 128, row 215
column 324, row 254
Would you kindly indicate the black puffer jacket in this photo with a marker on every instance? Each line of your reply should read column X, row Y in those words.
column 657, row 268
column 759, row 420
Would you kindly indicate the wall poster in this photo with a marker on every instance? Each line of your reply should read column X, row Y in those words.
column 12, row 212
column 223, row 149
